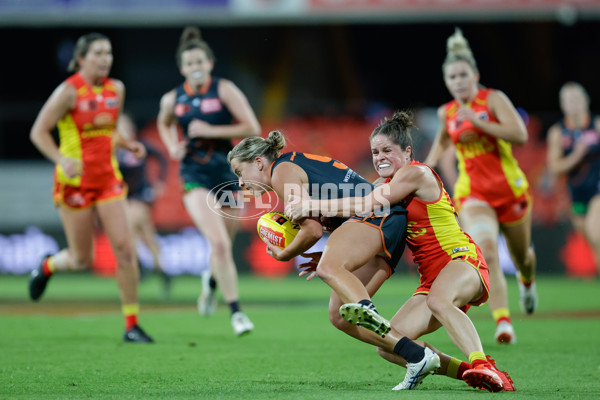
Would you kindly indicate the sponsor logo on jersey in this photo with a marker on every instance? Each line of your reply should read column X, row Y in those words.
column 211, row 106
column 111, row 102
column 181, row 109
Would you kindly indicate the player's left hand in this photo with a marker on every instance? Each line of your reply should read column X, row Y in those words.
column 137, row 148
column 275, row 252
column 466, row 114
column 198, row 128
column 310, row 267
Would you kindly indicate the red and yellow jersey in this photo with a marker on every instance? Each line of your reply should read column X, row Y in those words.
column 86, row 134
column 487, row 169
column 433, row 232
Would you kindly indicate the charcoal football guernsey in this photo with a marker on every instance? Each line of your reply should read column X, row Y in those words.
column 487, row 169
column 331, row 179
column 86, row 134
column 205, row 164
column 584, row 179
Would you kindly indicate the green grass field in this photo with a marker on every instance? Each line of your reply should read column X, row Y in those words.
column 69, row 345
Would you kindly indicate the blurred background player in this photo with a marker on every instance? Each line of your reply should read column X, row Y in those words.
column 141, row 194
column 87, row 180
column 211, row 111
column 574, row 149
column 491, row 193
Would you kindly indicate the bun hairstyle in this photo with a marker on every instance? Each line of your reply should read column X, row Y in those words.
column 457, row 48
column 82, row 47
column 252, row 147
column 190, row 39
column 397, row 129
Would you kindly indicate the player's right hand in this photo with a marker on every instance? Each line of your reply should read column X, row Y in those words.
column 178, row 151
column 71, row 166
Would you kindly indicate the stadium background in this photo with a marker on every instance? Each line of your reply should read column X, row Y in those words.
column 323, row 71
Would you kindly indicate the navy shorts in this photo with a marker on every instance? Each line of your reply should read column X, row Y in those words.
column 392, row 225
column 207, row 169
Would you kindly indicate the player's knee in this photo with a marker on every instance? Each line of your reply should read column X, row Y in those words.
column 337, row 321
column 221, row 249
column 436, row 304
column 123, row 253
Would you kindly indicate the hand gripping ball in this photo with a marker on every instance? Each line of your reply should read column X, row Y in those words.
column 277, row 229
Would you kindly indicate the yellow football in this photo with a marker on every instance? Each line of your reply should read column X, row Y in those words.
column 277, row 229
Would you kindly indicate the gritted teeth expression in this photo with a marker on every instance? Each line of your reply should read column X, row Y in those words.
column 388, row 157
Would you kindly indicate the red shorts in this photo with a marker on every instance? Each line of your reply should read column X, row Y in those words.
column 509, row 211
column 75, row 197
column 435, row 265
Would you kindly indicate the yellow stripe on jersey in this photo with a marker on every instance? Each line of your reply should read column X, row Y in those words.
column 447, row 230
column 462, row 187
column 514, row 176
column 70, row 146
column 114, row 162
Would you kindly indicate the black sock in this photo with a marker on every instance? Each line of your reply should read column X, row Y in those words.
column 409, row 350
column 235, row 306
column 369, row 304
column 212, row 283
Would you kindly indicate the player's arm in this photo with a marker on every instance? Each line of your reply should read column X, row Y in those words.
column 441, row 142
column 60, row 102
column 510, row 125
column 557, row 162
column 407, row 180
column 287, row 180
column 122, row 140
column 167, row 126
column 245, row 122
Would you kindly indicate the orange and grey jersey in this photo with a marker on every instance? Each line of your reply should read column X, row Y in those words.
column 487, row 169
column 86, row 134
column 433, row 232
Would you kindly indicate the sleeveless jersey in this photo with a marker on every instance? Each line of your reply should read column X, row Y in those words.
column 86, row 133
column 433, row 229
column 327, row 178
column 487, row 168
column 205, row 106
column 585, row 177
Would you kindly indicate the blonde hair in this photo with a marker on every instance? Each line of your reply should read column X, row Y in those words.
column 190, row 39
column 457, row 49
column 397, row 129
column 82, row 47
column 252, row 147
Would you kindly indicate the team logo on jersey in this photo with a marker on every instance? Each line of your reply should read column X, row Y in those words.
column 104, row 119
column 181, row 109
column 75, row 200
column 211, row 106
column 111, row 102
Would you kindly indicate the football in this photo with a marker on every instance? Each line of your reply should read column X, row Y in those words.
column 277, row 229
